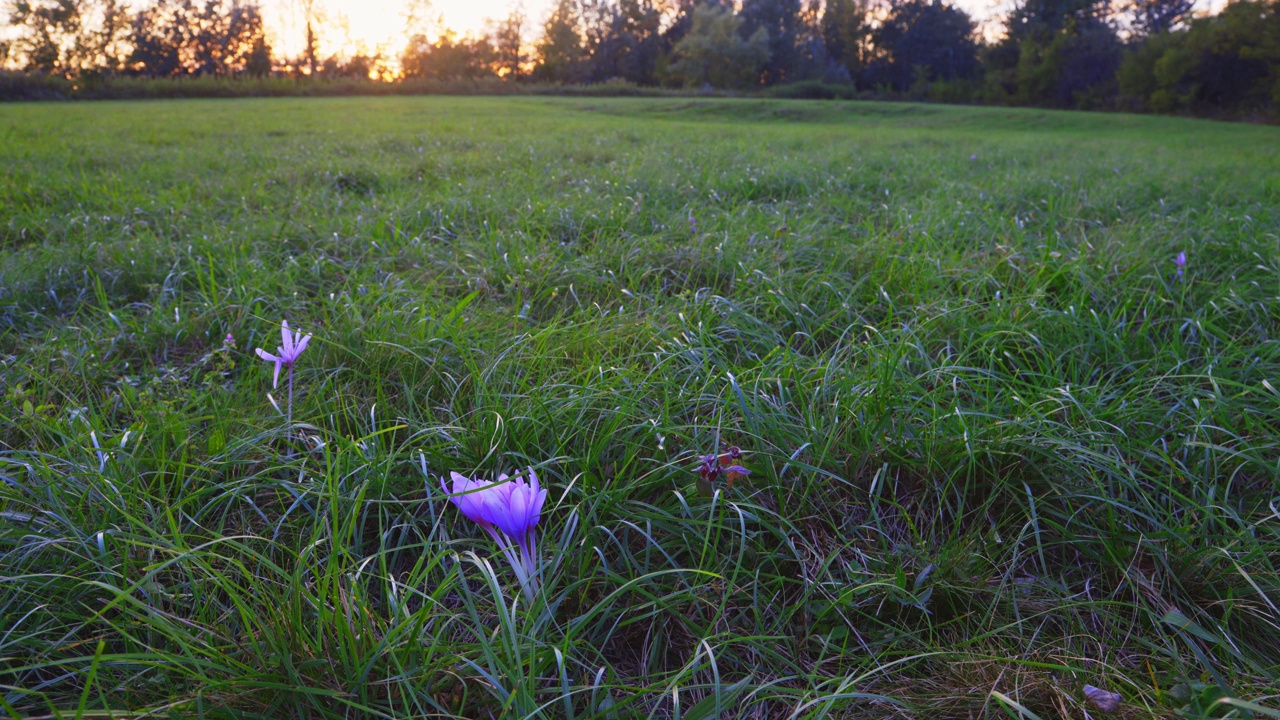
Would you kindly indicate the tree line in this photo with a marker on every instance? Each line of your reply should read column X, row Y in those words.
column 1154, row 55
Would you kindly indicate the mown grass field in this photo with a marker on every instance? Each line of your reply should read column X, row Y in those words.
column 999, row 449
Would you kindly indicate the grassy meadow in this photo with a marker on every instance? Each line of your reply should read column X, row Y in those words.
column 999, row 449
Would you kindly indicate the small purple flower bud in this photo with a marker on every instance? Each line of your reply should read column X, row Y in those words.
column 1102, row 700
column 1180, row 261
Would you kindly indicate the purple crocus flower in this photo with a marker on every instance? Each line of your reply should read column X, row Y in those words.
column 725, row 465
column 508, row 509
column 292, row 345
column 517, row 510
column 1181, row 261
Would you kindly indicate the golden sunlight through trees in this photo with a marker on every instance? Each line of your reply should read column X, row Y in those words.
column 366, row 27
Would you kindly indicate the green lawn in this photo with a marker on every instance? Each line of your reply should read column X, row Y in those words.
column 998, row 449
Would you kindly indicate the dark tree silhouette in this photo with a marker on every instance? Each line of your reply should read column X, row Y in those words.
column 1041, row 18
column 562, row 56
column 310, row 48
column 69, row 37
column 923, row 40
column 713, row 52
column 844, row 33
column 1057, row 53
column 1226, row 63
column 508, row 39
column 448, row 58
column 781, row 20
column 623, row 39
column 1152, row 17
column 181, row 37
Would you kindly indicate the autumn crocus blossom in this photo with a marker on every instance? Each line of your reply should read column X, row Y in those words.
column 292, row 345
column 713, row 467
column 1180, row 260
column 508, row 509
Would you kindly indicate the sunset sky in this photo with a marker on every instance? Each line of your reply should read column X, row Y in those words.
column 373, row 25
column 368, row 25
column 354, row 25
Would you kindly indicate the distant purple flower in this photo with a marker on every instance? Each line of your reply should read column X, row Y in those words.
column 1101, row 700
column 693, row 224
column 229, row 340
column 508, row 509
column 1181, row 261
column 292, row 345
column 714, row 467
column 973, row 157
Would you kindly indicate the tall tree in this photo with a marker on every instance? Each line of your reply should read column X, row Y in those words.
column 181, row 37
column 812, row 61
column 69, row 37
column 844, row 33
column 923, row 40
column 1153, row 17
column 448, row 58
column 1224, row 64
column 1041, row 18
column 1056, row 53
column 714, row 52
column 311, row 16
column 508, row 44
column 561, row 54
column 781, row 20
column 623, row 39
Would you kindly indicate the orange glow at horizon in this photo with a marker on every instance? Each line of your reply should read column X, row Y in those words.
column 349, row 27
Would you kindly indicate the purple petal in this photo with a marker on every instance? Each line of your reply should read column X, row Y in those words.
column 452, row 497
column 737, row 469
column 520, row 511
column 300, row 346
column 472, row 505
column 497, row 512
column 275, row 381
column 535, row 507
column 286, row 340
column 460, row 484
column 470, row 497
column 267, row 356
